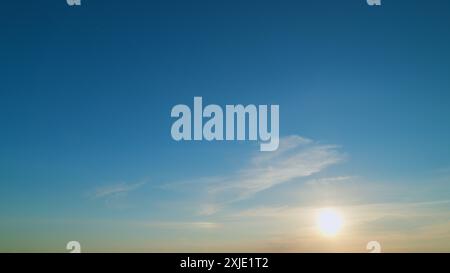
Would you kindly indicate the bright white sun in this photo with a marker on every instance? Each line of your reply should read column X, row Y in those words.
column 329, row 222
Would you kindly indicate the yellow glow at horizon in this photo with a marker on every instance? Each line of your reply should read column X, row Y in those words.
column 329, row 222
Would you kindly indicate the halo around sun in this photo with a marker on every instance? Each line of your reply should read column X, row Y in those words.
column 329, row 222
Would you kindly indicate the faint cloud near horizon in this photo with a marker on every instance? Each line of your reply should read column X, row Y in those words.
column 180, row 225
column 115, row 195
column 115, row 190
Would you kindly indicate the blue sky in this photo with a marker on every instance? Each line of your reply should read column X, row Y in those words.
column 85, row 145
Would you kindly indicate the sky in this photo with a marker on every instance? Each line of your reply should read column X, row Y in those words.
column 86, row 152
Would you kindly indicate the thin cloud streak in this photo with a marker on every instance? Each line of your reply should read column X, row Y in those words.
column 181, row 225
column 115, row 190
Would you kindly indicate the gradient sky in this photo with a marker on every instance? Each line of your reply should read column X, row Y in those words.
column 86, row 152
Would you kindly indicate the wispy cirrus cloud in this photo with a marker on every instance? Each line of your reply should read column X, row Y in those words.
column 297, row 157
column 115, row 190
column 115, row 195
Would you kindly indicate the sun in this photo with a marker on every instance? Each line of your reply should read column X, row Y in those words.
column 329, row 222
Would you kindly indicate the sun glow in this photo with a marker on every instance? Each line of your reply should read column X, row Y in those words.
column 329, row 222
